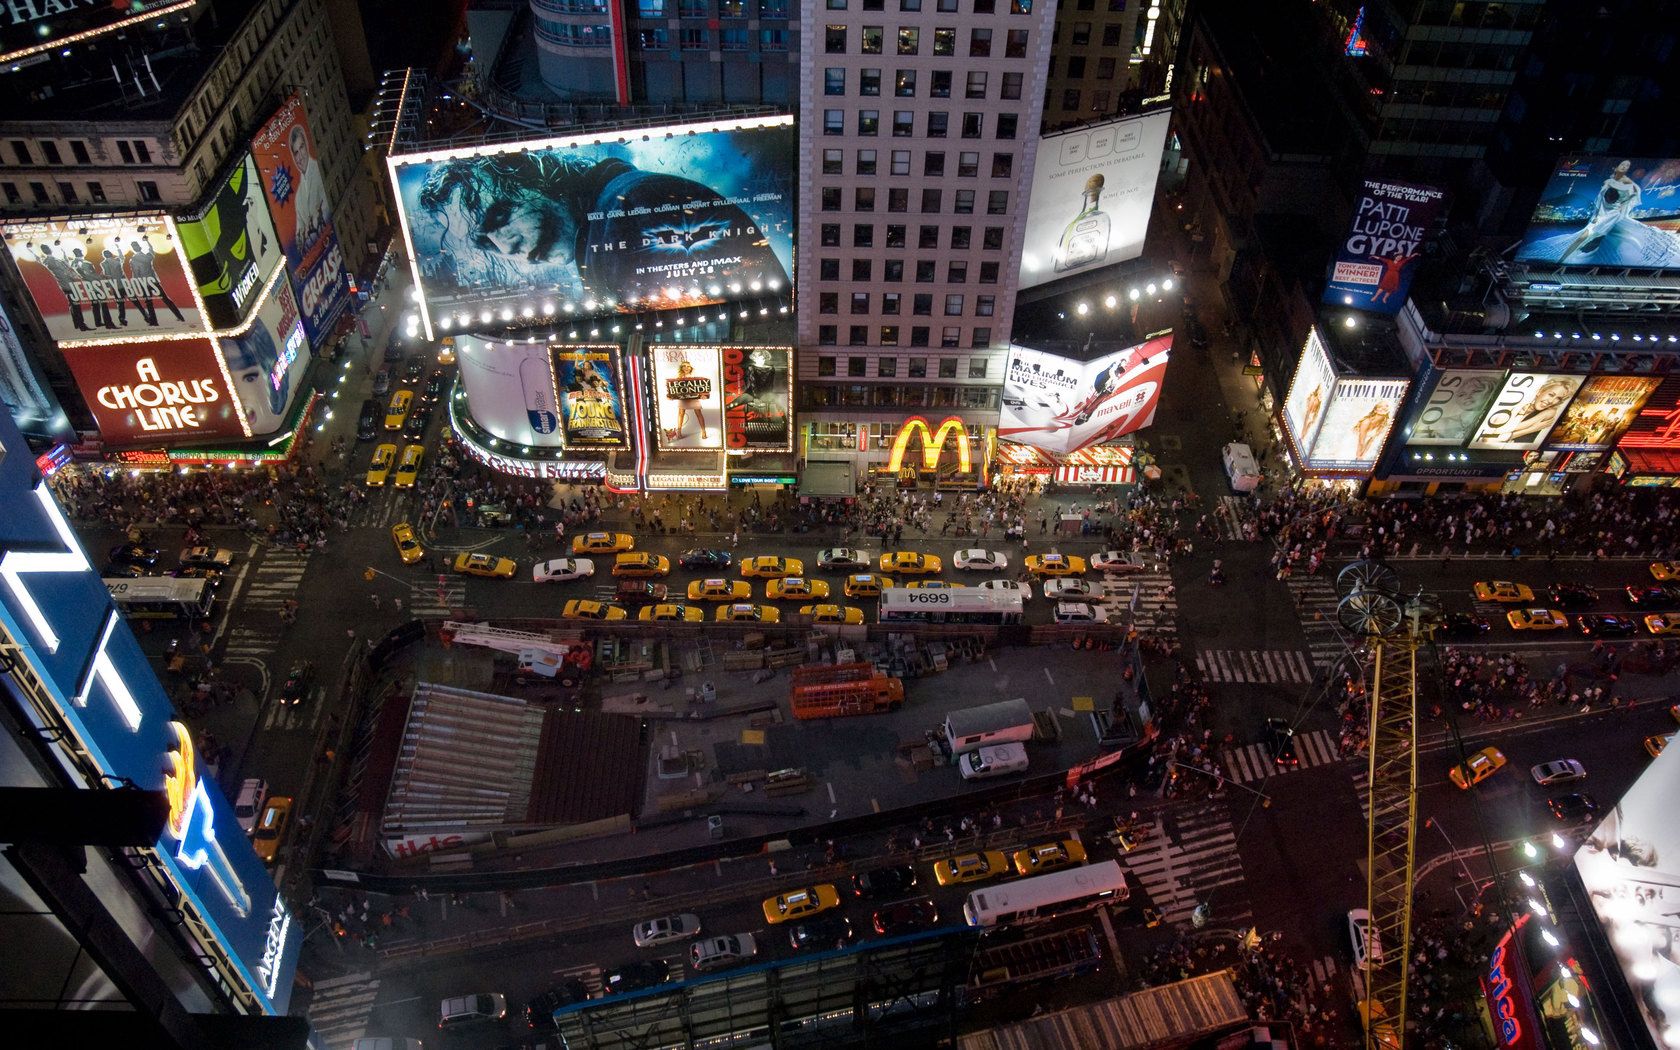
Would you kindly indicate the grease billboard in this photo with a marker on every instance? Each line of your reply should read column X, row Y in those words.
column 688, row 393
column 170, row 390
column 103, row 276
column 510, row 390
column 231, row 247
column 591, row 396
column 1607, row 211
column 646, row 218
column 266, row 362
column 1092, row 189
column 1455, row 405
column 1062, row 405
column 1524, row 411
column 757, row 390
column 1601, row 412
column 1374, row 266
column 292, row 185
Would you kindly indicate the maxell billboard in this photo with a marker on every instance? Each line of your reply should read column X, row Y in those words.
column 1063, row 405
column 1374, row 266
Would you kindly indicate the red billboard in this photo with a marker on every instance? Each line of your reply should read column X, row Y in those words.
column 1656, row 425
column 102, row 277
column 161, row 392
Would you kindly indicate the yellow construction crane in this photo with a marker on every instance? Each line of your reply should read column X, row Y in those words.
column 1391, row 626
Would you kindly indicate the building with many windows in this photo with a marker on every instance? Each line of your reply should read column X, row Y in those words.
column 1096, row 60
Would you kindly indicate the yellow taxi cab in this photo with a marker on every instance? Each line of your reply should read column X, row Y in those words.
column 846, row 614
column 380, row 467
column 603, row 543
column 971, row 867
column 408, row 548
column 671, row 611
column 408, row 469
column 585, row 609
column 1055, row 565
column 1536, row 619
column 866, row 585
column 795, row 587
column 641, row 563
column 396, row 413
column 1503, row 591
column 485, row 565
column 716, row 590
column 446, row 351
column 933, row 585
column 797, row 904
column 746, row 612
column 1656, row 742
column 1477, row 768
column 1036, row 860
column 911, row 563
column 1665, row 570
column 271, row 827
column 1663, row 623
column 771, row 567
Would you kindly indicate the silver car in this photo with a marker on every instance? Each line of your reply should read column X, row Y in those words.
column 666, row 929
column 1562, row 771
column 719, row 953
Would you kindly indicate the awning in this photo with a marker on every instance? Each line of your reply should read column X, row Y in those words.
column 1072, row 475
column 831, row 478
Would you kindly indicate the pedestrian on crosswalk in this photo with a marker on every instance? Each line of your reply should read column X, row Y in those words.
column 375, row 599
column 397, row 602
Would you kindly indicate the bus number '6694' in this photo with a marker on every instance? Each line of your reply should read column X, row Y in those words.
column 928, row 598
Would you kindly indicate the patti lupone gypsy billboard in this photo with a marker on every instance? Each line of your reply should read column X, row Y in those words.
column 639, row 219
column 591, row 396
column 292, row 184
column 1374, row 265
column 1607, row 211
column 102, row 277
column 1062, row 405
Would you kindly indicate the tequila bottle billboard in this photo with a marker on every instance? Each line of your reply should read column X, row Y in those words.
column 1085, row 240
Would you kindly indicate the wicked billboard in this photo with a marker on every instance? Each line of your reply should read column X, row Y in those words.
column 231, row 246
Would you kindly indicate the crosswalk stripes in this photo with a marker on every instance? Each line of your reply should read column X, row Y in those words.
column 1362, row 787
column 430, row 601
column 1254, row 761
column 340, row 1008
column 1146, row 599
column 1189, row 855
column 276, row 579
column 252, row 641
column 1317, row 601
column 1233, row 511
column 1280, row 666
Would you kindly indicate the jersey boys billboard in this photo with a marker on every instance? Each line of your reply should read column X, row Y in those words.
column 296, row 194
column 643, row 219
column 1374, row 266
column 1607, row 211
column 1062, row 405
column 100, row 277
column 1091, row 194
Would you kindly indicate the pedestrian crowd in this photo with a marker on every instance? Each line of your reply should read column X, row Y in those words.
column 1273, row 986
column 1185, row 756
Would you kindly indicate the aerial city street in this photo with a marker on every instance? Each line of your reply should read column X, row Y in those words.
column 462, row 584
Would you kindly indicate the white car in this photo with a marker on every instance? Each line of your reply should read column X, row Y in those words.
column 843, row 559
column 562, row 569
column 666, row 929
column 1023, row 589
column 982, row 560
column 1067, row 587
column 717, row 953
column 1117, row 561
column 1080, row 612
column 1366, row 945
column 1562, row 771
column 207, row 558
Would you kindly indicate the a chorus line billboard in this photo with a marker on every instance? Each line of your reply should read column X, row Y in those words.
column 510, row 390
column 1455, row 405
column 1092, row 189
column 296, row 192
column 158, row 392
column 1375, row 263
column 1607, row 211
column 267, row 361
column 645, row 218
column 688, row 395
column 231, row 248
column 103, row 277
column 757, row 393
column 1524, row 411
column 1061, row 405
column 1603, row 409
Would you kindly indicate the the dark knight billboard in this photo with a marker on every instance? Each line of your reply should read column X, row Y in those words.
column 640, row 219
column 1375, row 263
column 1607, row 211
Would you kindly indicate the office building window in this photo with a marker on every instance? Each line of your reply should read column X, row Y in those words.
column 863, row 235
column 866, row 162
column 898, row 199
column 872, row 39
column 827, row 335
column 1003, row 165
column 695, row 39
column 79, row 150
column 892, row 271
column 836, row 5
column 834, row 162
column 148, row 191
column 861, row 269
column 1076, row 67
column 997, row 202
column 650, row 8
column 933, row 164
column 921, row 304
column 1105, row 68
column 772, row 8
column 895, row 235
column 1015, row 44
column 968, row 165
column 773, row 40
column 887, row 367
column 1100, row 101
column 964, row 203
column 834, row 122
column 825, row 365
column 828, row 302
column 944, row 41
column 869, row 121
column 50, row 149
column 1006, row 125
column 901, row 162
column 977, row 365
column 982, row 338
column 918, row 337
column 992, row 239
column 972, row 125
column 938, row 124
column 654, row 39
column 857, row 335
column 831, row 198
column 67, row 192
column 888, row 337
column 976, row 84
column 860, row 302
column 909, row 40
column 984, row 305
column 863, row 199
column 927, row 237
column 909, row 5
column 1081, row 34
column 984, row 7
column 834, row 40
column 869, row 82
column 904, row 84
column 12, row 194
column 918, row 365
column 1011, row 86
column 940, row 86
column 857, row 367
column 953, row 305
column 930, row 201
column 979, row 43
column 1070, row 98
column 96, row 192
column 732, row 39
column 831, row 235
column 956, row 273
column 828, row 269
column 20, row 152
column 904, row 124
column 1024, row 7
column 988, row 270
column 834, row 81
column 692, row 8
column 890, row 303
column 960, row 237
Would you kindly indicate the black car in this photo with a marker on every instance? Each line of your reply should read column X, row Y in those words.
column 115, row 571
column 633, row 977
column 1607, row 625
column 418, row 421
column 539, row 1012
column 295, row 690
column 382, row 382
column 416, row 368
column 1461, row 625
column 906, row 917
column 1280, row 741
column 882, row 883
column 435, row 386
column 822, row 933
column 1573, row 807
column 1571, row 595
column 367, row 424
column 1654, row 595
column 700, row 558
column 134, row 554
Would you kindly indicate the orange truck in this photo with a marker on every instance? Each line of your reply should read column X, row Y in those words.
column 844, row 689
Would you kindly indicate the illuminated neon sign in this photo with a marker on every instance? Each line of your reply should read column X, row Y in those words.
column 1355, row 45
column 192, row 823
column 933, row 442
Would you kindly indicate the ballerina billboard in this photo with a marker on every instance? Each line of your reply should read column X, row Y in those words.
column 1607, row 211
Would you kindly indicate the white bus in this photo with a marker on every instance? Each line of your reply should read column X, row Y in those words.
column 954, row 605
column 163, row 597
column 1046, row 896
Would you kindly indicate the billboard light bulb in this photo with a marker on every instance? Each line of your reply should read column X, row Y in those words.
column 485, row 316
column 1082, row 309
column 1589, row 1035
column 548, row 308
column 756, row 286
column 589, row 304
column 775, row 285
column 507, row 313
column 1167, row 284
column 445, row 321
column 1111, row 302
column 1150, row 288
column 1546, row 935
column 715, row 290
column 735, row 286
column 1351, row 321
column 1527, row 879
column 570, row 307
column 528, row 312
column 1132, row 295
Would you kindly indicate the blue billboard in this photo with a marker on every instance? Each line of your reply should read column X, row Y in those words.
column 640, row 219
column 55, row 607
column 1607, row 211
column 1375, row 263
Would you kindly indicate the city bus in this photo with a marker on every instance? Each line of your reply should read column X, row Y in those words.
column 163, row 597
column 956, row 605
column 1046, row 896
